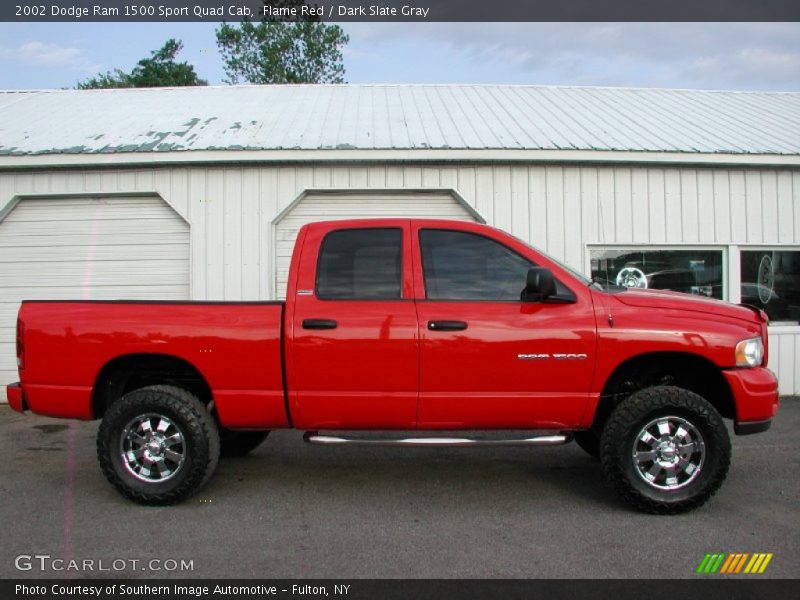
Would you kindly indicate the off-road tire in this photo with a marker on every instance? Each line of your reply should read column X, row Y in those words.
column 626, row 423
column 234, row 444
column 201, row 444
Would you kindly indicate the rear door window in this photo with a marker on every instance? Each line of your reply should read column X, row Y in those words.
column 360, row 264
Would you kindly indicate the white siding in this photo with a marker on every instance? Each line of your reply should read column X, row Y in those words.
column 87, row 248
column 784, row 352
column 560, row 209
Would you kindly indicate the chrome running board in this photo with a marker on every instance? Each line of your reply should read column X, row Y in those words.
column 314, row 437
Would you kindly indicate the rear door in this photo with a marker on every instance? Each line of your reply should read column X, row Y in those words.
column 354, row 356
column 489, row 360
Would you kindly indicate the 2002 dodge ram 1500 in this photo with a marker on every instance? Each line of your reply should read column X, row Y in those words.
column 425, row 325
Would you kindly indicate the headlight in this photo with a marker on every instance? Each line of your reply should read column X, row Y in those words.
column 749, row 353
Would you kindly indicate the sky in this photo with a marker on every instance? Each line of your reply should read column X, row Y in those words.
column 734, row 56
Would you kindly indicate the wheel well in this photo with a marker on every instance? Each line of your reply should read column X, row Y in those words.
column 134, row 371
column 687, row 371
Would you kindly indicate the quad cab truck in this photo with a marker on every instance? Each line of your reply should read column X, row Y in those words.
column 411, row 333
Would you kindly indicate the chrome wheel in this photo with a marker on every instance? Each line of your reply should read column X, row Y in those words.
column 632, row 277
column 766, row 279
column 668, row 453
column 152, row 447
column 658, row 461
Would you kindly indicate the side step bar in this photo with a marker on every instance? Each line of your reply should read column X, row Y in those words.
column 314, row 437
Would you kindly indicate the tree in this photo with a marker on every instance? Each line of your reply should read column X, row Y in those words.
column 279, row 50
column 157, row 71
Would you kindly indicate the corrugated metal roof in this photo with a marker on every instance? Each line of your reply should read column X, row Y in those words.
column 366, row 117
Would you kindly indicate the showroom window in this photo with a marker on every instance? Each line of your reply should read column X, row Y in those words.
column 681, row 270
column 770, row 279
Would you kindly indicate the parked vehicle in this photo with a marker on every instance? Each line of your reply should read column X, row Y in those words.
column 660, row 276
column 431, row 326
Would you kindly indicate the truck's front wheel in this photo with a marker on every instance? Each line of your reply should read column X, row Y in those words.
column 158, row 444
column 665, row 450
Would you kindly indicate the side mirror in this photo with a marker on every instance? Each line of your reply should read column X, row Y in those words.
column 540, row 285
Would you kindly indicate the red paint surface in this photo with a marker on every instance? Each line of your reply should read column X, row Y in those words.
column 236, row 347
column 381, row 368
column 759, row 387
column 14, row 395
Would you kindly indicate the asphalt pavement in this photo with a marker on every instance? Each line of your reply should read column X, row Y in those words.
column 291, row 510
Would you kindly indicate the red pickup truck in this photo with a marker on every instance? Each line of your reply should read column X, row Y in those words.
column 436, row 329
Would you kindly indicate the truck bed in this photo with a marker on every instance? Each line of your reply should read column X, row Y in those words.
column 235, row 345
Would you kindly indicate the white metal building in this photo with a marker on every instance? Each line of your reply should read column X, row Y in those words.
column 197, row 193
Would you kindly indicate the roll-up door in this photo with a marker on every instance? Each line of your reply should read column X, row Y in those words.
column 87, row 248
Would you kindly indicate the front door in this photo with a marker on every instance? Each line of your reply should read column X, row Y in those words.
column 489, row 360
column 355, row 354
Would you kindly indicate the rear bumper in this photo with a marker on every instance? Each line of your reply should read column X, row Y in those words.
column 16, row 397
column 61, row 401
column 755, row 396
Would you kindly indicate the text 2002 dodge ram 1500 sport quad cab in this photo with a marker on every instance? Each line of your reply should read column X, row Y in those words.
column 392, row 325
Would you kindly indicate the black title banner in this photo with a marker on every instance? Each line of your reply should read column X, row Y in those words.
column 396, row 589
column 399, row 10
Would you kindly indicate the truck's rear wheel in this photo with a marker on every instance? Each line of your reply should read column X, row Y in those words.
column 665, row 450
column 158, row 445
column 238, row 443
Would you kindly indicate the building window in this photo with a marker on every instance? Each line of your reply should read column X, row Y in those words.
column 770, row 280
column 689, row 271
column 360, row 264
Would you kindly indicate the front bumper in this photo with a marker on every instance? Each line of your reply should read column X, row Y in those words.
column 16, row 397
column 755, row 396
column 751, row 427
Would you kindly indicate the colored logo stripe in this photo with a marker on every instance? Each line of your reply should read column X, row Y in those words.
column 710, row 563
column 721, row 562
column 734, row 563
column 728, row 562
column 758, row 563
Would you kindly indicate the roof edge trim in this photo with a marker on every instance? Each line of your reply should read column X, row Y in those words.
column 199, row 157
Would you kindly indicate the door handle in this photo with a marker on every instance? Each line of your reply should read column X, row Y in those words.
column 319, row 324
column 447, row 325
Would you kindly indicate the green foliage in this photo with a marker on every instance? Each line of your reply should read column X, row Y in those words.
column 160, row 70
column 277, row 50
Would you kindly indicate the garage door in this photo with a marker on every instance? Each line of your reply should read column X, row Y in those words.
column 87, row 248
column 335, row 206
